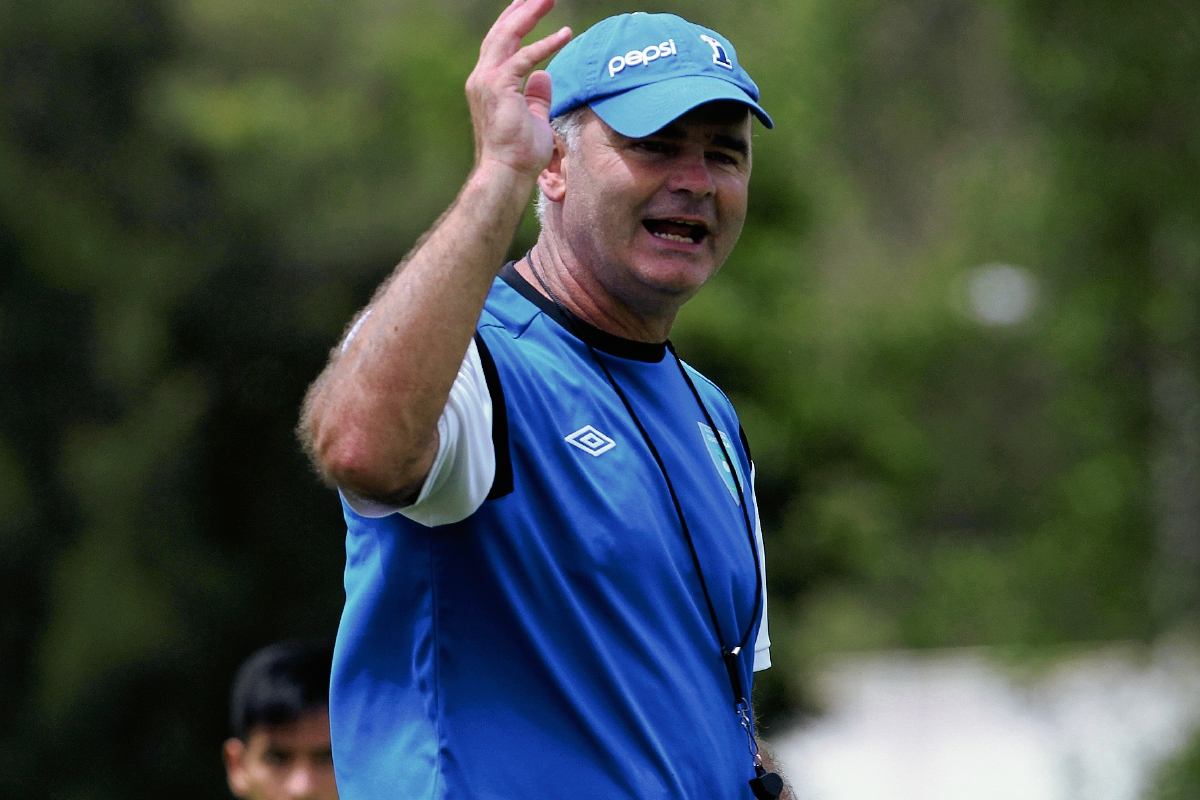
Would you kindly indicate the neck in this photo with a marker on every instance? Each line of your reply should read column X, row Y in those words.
column 555, row 273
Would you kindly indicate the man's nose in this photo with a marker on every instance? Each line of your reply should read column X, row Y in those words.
column 301, row 782
column 692, row 174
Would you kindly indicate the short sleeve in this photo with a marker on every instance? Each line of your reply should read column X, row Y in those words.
column 465, row 465
column 762, row 645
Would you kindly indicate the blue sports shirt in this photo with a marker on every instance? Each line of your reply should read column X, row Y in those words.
column 556, row 642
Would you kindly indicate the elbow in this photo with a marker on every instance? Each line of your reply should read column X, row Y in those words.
column 353, row 452
column 349, row 459
column 364, row 461
column 337, row 449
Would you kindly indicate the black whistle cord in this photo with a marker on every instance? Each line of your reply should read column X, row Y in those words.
column 740, row 493
column 765, row 785
column 739, row 694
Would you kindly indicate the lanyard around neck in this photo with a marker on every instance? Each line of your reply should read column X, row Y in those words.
column 765, row 785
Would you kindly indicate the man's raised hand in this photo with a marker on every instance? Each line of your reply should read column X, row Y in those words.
column 513, row 128
column 371, row 419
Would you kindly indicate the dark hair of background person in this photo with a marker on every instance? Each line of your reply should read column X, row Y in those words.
column 278, row 684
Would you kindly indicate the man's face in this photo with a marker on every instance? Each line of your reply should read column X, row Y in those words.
column 654, row 218
column 291, row 761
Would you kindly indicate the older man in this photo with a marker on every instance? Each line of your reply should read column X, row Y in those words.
column 554, row 582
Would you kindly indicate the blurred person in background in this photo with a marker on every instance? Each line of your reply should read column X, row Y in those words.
column 279, row 714
column 554, row 574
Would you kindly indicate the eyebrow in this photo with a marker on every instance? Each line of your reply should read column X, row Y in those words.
column 735, row 143
column 726, row 141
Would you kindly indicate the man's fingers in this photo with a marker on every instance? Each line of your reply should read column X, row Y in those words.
column 513, row 24
column 508, row 10
column 526, row 16
column 500, row 24
column 537, row 94
column 531, row 55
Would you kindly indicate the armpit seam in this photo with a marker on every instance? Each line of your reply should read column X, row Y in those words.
column 437, row 672
column 502, row 475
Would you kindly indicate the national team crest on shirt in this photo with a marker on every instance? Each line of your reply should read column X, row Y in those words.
column 719, row 461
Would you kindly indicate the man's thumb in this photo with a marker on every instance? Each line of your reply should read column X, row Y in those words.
column 537, row 94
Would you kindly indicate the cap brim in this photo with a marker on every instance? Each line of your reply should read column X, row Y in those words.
column 645, row 109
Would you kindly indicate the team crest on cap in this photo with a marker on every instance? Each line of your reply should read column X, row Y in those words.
column 720, row 57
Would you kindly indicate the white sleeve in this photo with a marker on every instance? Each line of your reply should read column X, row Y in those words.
column 762, row 645
column 465, row 465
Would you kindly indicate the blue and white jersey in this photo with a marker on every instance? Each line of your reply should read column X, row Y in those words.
column 555, row 642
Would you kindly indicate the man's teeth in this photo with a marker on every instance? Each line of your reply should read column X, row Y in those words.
column 676, row 230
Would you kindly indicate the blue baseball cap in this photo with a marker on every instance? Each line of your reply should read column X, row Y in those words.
column 640, row 72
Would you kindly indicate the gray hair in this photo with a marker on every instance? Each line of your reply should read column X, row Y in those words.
column 567, row 126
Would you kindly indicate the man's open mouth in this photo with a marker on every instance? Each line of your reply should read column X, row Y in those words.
column 677, row 230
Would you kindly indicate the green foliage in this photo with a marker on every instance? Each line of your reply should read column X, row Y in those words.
column 1179, row 778
column 196, row 195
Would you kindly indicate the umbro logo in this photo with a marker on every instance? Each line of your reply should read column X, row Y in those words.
column 591, row 441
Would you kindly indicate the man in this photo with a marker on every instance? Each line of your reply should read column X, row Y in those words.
column 279, row 715
column 553, row 576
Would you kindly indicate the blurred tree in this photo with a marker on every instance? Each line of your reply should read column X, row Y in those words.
column 157, row 522
column 1113, row 85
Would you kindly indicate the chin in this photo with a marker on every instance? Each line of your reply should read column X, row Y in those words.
column 674, row 276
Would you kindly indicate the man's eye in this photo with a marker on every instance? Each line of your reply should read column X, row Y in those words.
column 651, row 146
column 323, row 758
column 723, row 158
column 276, row 758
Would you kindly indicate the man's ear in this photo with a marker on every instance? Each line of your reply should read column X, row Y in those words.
column 553, row 179
column 234, row 753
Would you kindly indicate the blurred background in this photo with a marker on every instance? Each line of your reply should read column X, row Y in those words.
column 961, row 328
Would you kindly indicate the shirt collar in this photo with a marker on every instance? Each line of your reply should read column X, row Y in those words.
column 603, row 341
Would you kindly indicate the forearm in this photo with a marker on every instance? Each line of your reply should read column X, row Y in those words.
column 371, row 417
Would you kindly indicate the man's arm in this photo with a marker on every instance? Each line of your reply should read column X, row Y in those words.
column 370, row 419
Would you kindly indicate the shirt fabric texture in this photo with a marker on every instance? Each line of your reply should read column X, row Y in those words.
column 556, row 641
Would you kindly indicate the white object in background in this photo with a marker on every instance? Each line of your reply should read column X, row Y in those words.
column 956, row 726
column 1001, row 294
